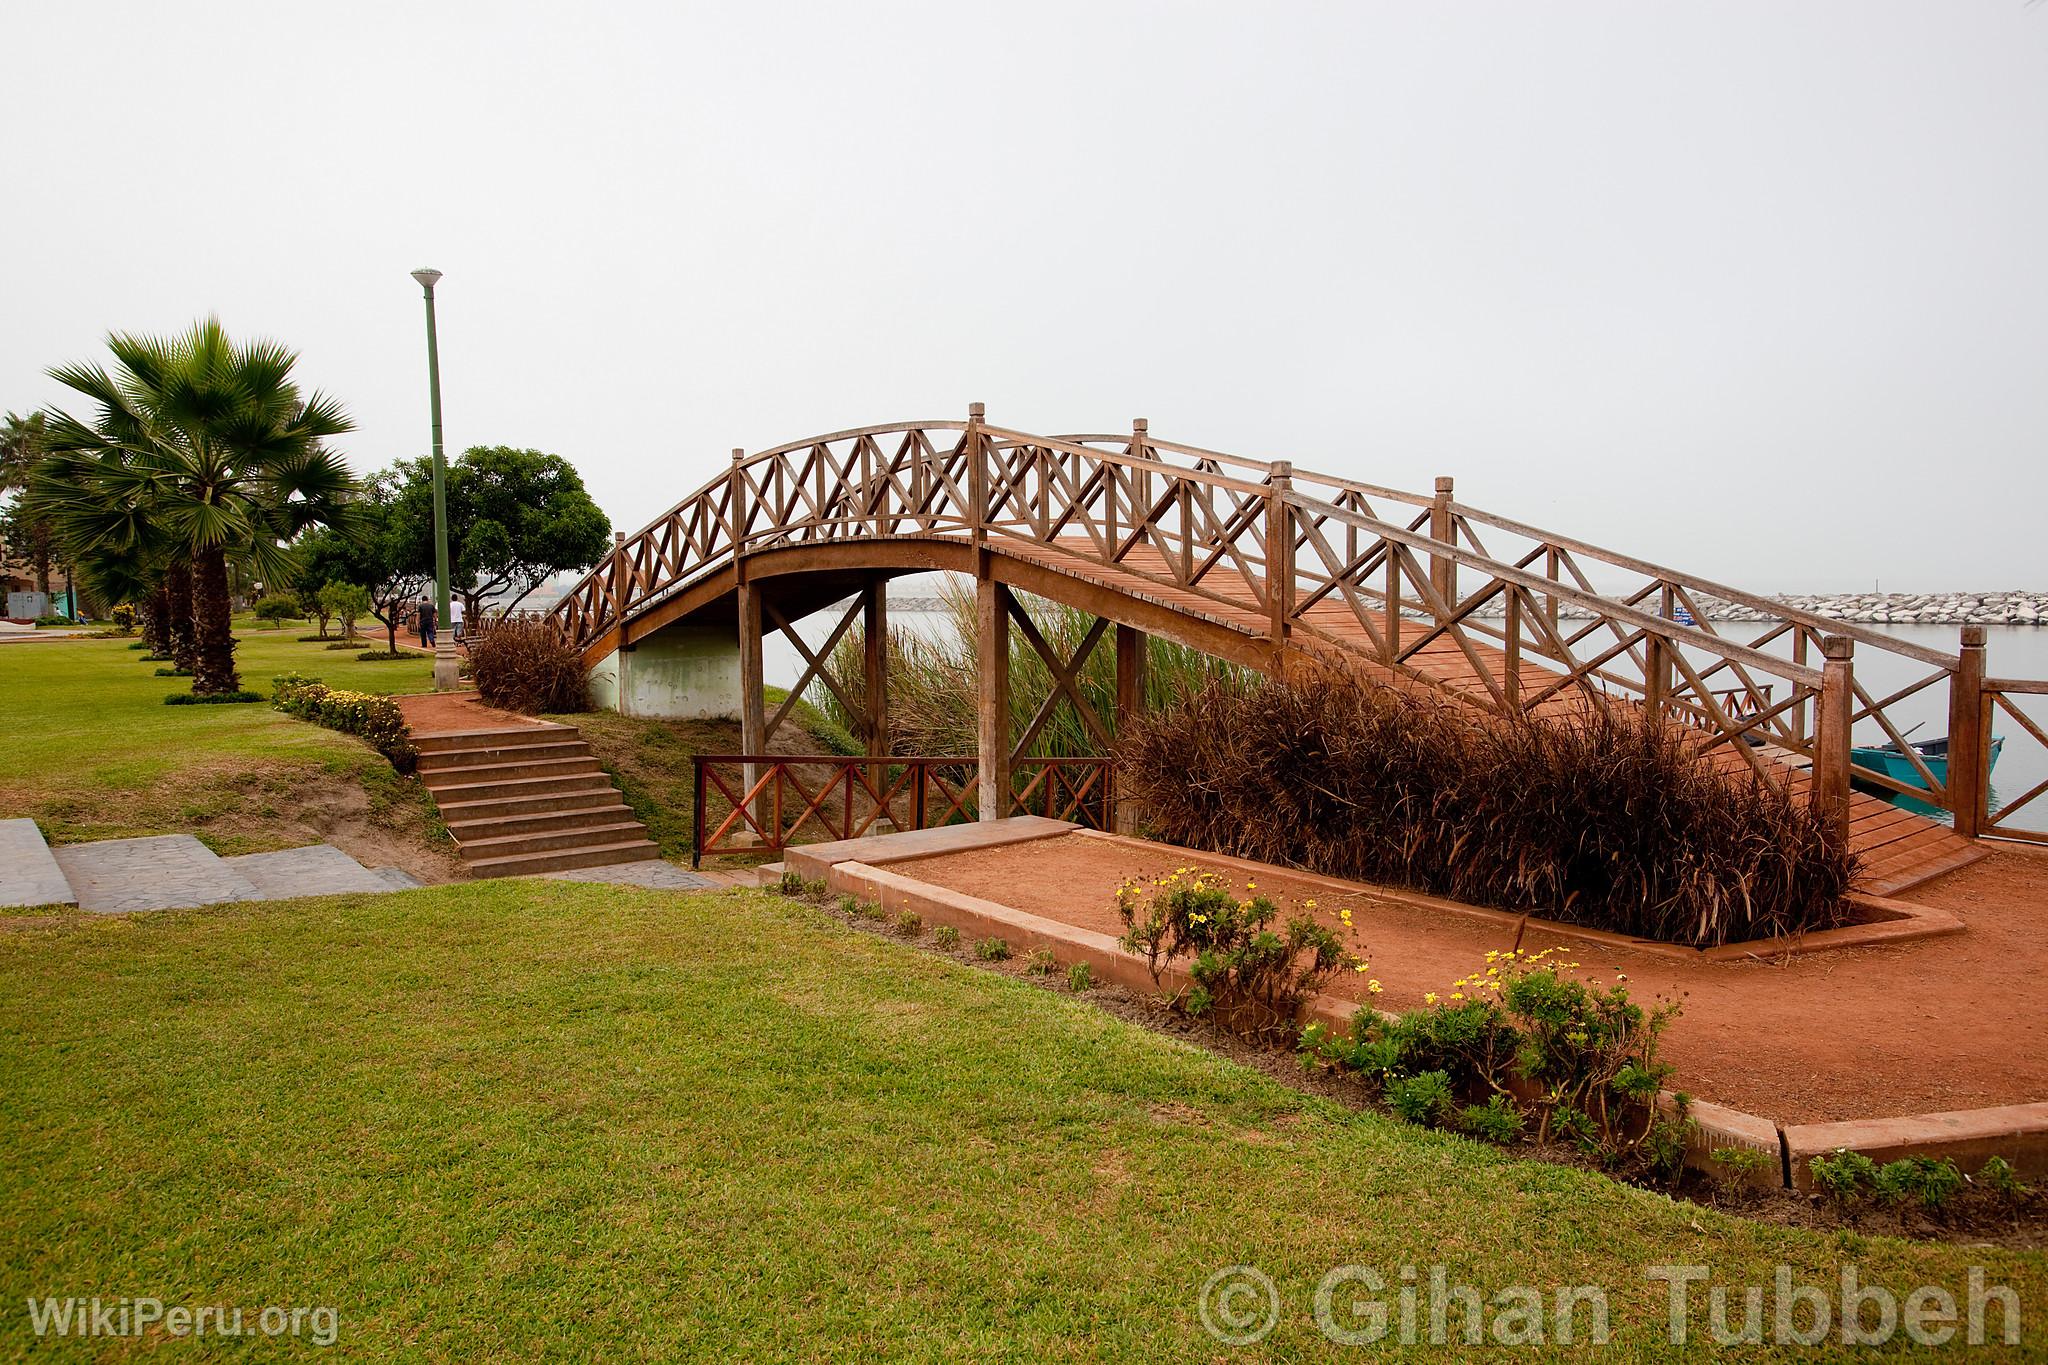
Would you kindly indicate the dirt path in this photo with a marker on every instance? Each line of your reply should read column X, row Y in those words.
column 440, row 713
column 1948, row 1023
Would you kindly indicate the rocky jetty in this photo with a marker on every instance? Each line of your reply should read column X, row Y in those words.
column 2011, row 608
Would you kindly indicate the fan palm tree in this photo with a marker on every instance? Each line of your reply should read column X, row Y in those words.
column 206, row 449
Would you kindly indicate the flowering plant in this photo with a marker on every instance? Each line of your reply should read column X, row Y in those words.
column 1255, row 977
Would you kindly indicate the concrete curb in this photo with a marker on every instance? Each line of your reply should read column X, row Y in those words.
column 1968, row 1137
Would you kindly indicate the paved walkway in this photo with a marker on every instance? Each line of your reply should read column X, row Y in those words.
column 653, row 873
column 158, row 873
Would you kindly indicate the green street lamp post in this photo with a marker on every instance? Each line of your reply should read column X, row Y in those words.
column 447, row 676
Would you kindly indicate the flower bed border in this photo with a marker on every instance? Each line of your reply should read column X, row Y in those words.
column 2019, row 1133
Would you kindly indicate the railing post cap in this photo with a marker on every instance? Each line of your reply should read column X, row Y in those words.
column 618, row 537
column 1140, row 425
column 1283, row 471
column 1443, row 483
column 1837, row 646
column 976, row 411
column 738, row 453
column 1973, row 637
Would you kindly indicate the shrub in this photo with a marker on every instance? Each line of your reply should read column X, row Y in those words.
column 1930, row 1181
column 1424, row 1098
column 791, row 883
column 1522, row 1034
column 947, row 937
column 909, row 924
column 1602, row 818
column 276, row 607
column 344, row 644
column 54, row 620
column 122, row 616
column 316, row 639
column 1997, row 1175
column 1080, row 977
column 1041, row 962
column 384, row 656
column 174, row 672
column 211, row 698
column 1497, row 1121
column 526, row 664
column 1256, row 977
column 1845, row 1176
column 992, row 950
column 139, row 644
column 374, row 719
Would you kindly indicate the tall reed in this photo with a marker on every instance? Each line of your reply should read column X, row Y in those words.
column 1606, row 820
column 934, row 687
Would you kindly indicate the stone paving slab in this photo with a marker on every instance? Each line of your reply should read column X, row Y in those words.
column 652, row 873
column 396, row 879
column 29, row 874
column 315, row 870
column 158, row 873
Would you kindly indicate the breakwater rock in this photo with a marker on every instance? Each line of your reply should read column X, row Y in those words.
column 2008, row 608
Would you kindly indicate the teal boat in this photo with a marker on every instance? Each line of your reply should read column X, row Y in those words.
column 1892, row 761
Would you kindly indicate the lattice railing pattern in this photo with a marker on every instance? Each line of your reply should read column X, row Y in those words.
column 1513, row 617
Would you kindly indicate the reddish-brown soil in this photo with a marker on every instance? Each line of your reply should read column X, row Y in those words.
column 440, row 713
column 1957, row 1022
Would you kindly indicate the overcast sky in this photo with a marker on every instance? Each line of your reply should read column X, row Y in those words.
column 1760, row 290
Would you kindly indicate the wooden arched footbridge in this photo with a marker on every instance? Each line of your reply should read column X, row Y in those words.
column 1259, row 562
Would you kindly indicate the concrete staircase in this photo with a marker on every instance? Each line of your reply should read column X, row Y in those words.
column 529, row 799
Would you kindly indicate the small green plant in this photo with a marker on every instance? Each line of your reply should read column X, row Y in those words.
column 1080, row 977
column 1997, row 1176
column 1424, row 1098
column 849, row 905
column 1255, row 975
column 947, row 937
column 140, row 644
column 792, row 883
column 384, row 656
column 174, row 672
column 1745, row 1163
column 1041, row 962
column 992, row 950
column 211, row 698
column 816, row 889
column 1931, row 1182
column 1844, row 1177
column 909, row 923
column 1497, row 1121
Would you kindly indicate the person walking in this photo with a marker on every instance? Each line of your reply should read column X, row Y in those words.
column 426, row 623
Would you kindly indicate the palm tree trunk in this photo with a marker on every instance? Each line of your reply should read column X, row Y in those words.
column 179, row 639
column 156, row 621
column 212, row 620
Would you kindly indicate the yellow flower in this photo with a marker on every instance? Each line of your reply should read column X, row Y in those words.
column 1373, row 986
column 1457, row 995
column 1429, row 997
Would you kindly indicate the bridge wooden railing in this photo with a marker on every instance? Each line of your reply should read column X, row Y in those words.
column 766, row 802
column 1421, row 584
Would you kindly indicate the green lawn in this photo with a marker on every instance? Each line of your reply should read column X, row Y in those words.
column 92, row 751
column 540, row 1120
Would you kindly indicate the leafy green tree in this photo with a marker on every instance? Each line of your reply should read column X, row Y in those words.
column 277, row 607
column 350, row 602
column 515, row 519
column 22, row 526
column 385, row 551
column 214, row 446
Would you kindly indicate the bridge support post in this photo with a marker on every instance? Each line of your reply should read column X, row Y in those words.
column 875, row 670
column 1279, row 561
column 992, row 641
column 753, row 717
column 1969, row 781
column 1443, row 570
column 1131, row 652
column 1833, row 711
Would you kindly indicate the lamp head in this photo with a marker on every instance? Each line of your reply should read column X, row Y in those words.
column 427, row 278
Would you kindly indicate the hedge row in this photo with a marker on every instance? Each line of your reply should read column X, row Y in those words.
column 376, row 719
